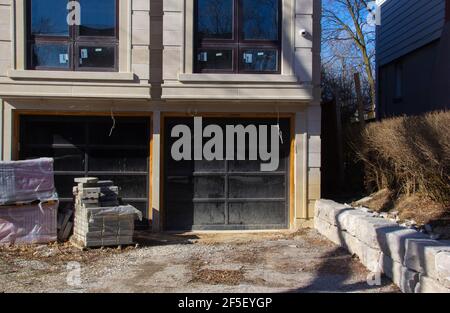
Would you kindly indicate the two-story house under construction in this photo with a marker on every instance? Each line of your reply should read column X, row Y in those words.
column 108, row 88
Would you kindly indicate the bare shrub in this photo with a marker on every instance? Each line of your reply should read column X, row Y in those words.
column 409, row 155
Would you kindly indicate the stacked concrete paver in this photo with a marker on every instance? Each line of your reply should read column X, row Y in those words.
column 99, row 219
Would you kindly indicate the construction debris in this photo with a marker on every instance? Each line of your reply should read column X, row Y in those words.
column 28, row 202
column 99, row 218
column 65, row 224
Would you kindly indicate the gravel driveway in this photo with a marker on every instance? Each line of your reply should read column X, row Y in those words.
column 303, row 261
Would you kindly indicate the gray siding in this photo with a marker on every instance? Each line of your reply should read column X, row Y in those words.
column 407, row 25
column 418, row 69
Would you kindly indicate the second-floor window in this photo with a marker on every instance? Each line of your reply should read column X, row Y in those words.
column 237, row 36
column 72, row 35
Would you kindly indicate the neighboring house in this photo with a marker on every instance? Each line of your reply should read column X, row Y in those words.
column 413, row 57
column 103, row 99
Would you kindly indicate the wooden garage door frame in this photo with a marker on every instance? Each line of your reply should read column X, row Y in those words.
column 16, row 136
column 290, row 116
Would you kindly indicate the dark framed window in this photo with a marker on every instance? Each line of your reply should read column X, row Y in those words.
column 55, row 44
column 237, row 36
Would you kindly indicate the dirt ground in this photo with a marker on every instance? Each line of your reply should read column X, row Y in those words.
column 246, row 262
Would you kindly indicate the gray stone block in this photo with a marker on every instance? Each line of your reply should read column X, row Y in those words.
column 393, row 240
column 429, row 285
column 421, row 256
column 368, row 256
column 404, row 278
column 329, row 210
column 411, row 259
column 350, row 220
column 328, row 230
column 367, row 229
column 443, row 268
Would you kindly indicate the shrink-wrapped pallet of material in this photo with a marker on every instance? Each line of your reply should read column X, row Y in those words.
column 28, row 224
column 27, row 181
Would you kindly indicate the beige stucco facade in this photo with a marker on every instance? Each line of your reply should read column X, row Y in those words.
column 156, row 77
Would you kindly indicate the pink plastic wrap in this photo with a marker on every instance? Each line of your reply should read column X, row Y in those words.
column 28, row 224
column 26, row 181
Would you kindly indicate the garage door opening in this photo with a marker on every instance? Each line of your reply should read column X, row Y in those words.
column 226, row 194
column 91, row 146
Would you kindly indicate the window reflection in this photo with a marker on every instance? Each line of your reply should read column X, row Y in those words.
column 238, row 36
column 215, row 19
column 215, row 59
column 99, row 56
column 45, row 21
column 50, row 55
column 260, row 60
column 54, row 44
column 260, row 19
column 98, row 18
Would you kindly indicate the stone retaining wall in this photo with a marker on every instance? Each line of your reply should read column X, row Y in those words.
column 411, row 259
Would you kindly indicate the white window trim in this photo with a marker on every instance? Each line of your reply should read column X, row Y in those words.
column 237, row 78
column 19, row 46
column 70, row 75
column 287, row 43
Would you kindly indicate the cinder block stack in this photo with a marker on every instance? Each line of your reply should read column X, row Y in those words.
column 99, row 219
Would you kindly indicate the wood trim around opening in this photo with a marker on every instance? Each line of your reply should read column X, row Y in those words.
column 16, row 135
column 290, row 116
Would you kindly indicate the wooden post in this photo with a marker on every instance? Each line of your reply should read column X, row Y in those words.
column 339, row 142
column 359, row 98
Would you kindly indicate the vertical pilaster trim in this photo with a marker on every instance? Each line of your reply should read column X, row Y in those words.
column 301, row 166
column 317, row 42
column 184, row 38
column 288, row 37
column 19, row 38
column 156, row 170
column 188, row 28
column 305, row 154
column 125, row 29
column 13, row 34
column 8, row 131
column 1, row 129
